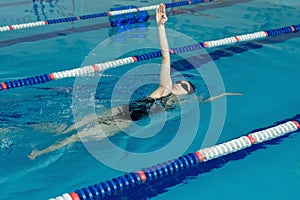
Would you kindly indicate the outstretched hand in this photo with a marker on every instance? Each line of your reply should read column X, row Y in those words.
column 161, row 16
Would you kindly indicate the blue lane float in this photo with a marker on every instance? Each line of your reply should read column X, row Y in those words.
column 100, row 67
column 157, row 172
column 113, row 12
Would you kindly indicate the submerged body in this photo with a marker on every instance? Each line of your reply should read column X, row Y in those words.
column 110, row 122
column 116, row 119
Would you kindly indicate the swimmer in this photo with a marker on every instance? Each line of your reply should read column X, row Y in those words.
column 165, row 97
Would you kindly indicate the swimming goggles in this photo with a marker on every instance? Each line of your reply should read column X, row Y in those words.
column 184, row 86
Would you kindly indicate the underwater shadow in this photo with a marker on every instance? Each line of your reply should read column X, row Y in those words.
column 189, row 63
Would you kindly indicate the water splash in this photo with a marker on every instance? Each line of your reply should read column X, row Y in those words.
column 6, row 146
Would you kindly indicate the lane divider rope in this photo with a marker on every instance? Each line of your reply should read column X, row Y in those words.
column 130, row 180
column 97, row 15
column 100, row 67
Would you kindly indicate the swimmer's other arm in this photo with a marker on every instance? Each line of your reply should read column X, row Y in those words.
column 222, row 95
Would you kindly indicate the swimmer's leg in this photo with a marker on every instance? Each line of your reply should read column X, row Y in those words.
column 86, row 121
column 90, row 133
column 49, row 127
column 222, row 95
column 68, row 141
column 112, row 114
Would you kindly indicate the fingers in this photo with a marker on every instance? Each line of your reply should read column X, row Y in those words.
column 161, row 16
column 162, row 8
column 234, row 94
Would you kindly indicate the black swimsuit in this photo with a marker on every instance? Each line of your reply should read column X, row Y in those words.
column 139, row 109
column 142, row 108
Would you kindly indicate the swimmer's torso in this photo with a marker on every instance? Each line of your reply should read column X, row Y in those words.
column 139, row 109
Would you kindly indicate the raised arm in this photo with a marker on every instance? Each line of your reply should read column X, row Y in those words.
column 165, row 72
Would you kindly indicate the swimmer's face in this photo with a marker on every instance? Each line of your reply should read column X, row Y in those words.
column 182, row 88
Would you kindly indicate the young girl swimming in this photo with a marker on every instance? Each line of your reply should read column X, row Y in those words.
column 165, row 97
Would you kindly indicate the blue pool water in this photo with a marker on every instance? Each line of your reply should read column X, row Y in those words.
column 265, row 72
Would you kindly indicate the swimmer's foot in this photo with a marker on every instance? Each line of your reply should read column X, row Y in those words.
column 33, row 155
